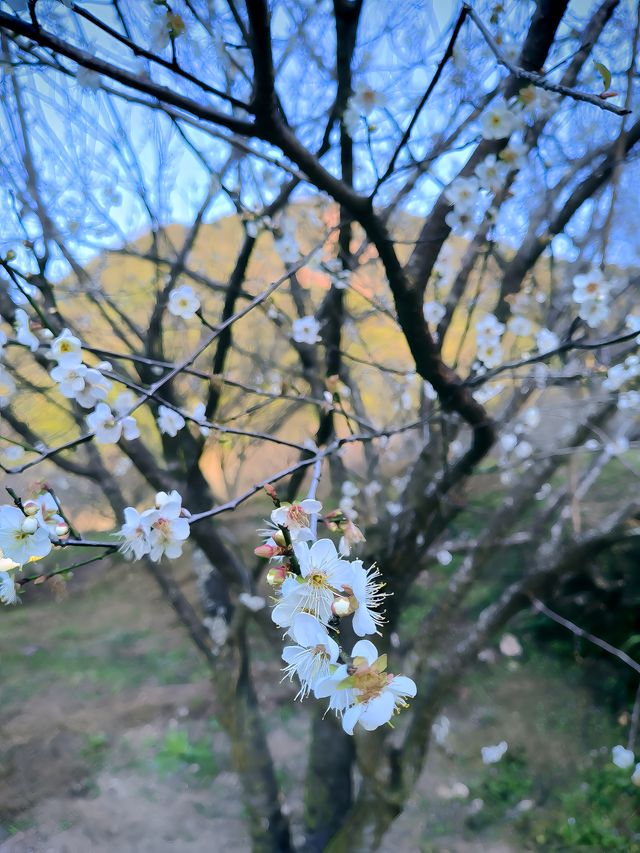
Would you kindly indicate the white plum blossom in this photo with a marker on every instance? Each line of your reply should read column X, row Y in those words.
column 66, row 349
column 494, row 754
column 546, row 340
column 619, row 374
column 336, row 689
column 170, row 422
column 635, row 776
column 433, row 312
column 70, row 379
column 365, row 98
column 378, row 695
column 490, row 352
column 460, row 221
column 169, row 527
column 622, row 757
column 8, row 594
column 24, row 335
column 136, row 531
column 124, row 402
column 310, row 659
column 7, row 386
column 515, row 155
column 491, row 173
column 21, row 537
column 498, row 121
column 108, row 428
column 96, row 387
column 295, row 517
column 591, row 295
column 590, row 286
column 183, row 302
column 322, row 572
column 305, row 330
column 366, row 594
column 594, row 312
column 535, row 101
column 489, row 327
column 463, row 193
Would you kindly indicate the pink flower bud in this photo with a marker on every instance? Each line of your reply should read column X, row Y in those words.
column 272, row 493
column 276, row 575
column 266, row 551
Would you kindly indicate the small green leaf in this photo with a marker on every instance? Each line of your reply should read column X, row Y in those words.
column 604, row 72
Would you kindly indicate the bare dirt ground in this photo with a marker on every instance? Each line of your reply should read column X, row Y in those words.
column 107, row 741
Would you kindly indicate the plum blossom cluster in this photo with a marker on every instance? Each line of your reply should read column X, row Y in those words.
column 501, row 120
column 28, row 532
column 89, row 388
column 316, row 587
column 591, row 295
column 488, row 333
column 159, row 531
column 364, row 100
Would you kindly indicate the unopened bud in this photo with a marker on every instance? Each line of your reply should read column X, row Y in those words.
column 341, row 606
column 279, row 539
column 62, row 529
column 30, row 507
column 29, row 525
column 276, row 575
column 271, row 492
column 266, row 551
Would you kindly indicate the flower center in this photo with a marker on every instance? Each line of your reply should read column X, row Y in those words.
column 297, row 517
column 317, row 579
column 370, row 683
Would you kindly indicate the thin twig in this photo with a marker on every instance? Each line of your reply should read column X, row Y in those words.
column 539, row 79
column 580, row 632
